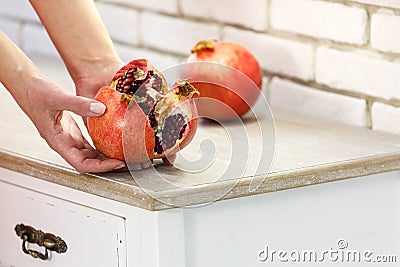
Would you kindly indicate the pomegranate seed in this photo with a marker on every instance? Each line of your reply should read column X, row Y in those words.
column 174, row 128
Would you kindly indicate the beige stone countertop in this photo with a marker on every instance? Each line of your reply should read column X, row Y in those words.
column 308, row 151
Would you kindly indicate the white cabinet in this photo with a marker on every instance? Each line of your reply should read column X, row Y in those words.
column 94, row 238
column 361, row 214
column 100, row 232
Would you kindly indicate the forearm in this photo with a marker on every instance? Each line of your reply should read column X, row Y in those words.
column 33, row 92
column 78, row 33
column 17, row 72
column 44, row 104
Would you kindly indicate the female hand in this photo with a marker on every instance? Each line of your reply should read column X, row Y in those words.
column 44, row 103
column 89, row 55
column 47, row 108
column 92, row 80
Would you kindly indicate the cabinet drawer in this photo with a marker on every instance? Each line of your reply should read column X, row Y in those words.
column 93, row 237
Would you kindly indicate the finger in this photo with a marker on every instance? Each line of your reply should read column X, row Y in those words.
column 101, row 165
column 83, row 164
column 85, row 159
column 85, row 107
column 135, row 166
column 70, row 126
column 139, row 166
column 146, row 164
column 98, row 165
column 169, row 160
column 124, row 169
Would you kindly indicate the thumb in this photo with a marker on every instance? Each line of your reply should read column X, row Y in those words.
column 85, row 107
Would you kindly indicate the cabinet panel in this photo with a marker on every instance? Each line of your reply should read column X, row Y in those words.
column 94, row 238
column 361, row 214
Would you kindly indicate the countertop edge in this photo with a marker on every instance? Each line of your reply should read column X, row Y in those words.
column 67, row 177
column 292, row 179
column 204, row 194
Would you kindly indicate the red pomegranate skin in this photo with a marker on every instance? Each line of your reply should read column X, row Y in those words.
column 107, row 131
column 141, row 63
column 239, row 97
column 124, row 132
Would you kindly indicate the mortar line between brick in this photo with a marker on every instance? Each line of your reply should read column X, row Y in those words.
column 321, row 87
column 314, row 61
column 283, row 34
column 268, row 87
column 179, row 7
column 139, row 28
column 268, row 14
column 151, row 49
column 368, row 29
column 368, row 111
column 20, row 38
column 21, row 25
column 296, row 37
column 363, row 5
column 391, row 57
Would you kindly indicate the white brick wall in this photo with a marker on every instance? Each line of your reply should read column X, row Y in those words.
column 320, row 19
column 120, row 22
column 168, row 6
column 251, row 13
column 386, row 118
column 160, row 60
column 385, row 31
column 10, row 28
column 258, row 108
column 34, row 40
column 174, row 34
column 359, row 73
column 351, row 45
column 275, row 54
column 19, row 9
column 302, row 99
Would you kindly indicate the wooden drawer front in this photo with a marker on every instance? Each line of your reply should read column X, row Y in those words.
column 94, row 238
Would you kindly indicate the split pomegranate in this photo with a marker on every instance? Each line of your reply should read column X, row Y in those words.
column 144, row 119
column 222, row 83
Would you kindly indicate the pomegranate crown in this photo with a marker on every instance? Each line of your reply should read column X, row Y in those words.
column 208, row 44
column 185, row 88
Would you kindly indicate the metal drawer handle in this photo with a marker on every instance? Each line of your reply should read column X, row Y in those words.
column 47, row 240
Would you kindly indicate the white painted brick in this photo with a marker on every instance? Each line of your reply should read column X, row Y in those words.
column 174, row 34
column 259, row 107
column 358, row 72
column 19, row 9
column 121, row 22
column 306, row 100
column 251, row 13
column 385, row 32
column 35, row 40
column 168, row 6
column 10, row 28
column 385, row 3
column 159, row 60
column 385, row 118
column 320, row 19
column 275, row 54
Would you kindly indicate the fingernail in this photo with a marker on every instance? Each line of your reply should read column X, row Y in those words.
column 97, row 107
column 119, row 167
column 145, row 165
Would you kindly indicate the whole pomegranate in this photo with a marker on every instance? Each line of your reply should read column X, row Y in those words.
column 224, row 84
column 144, row 119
